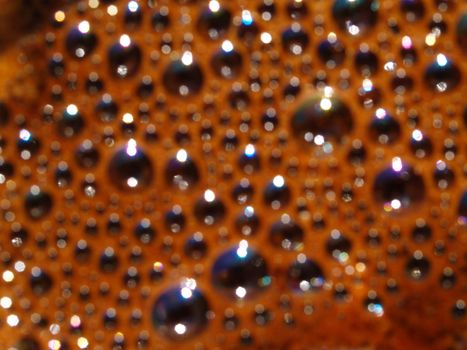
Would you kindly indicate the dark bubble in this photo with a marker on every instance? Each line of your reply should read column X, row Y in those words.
column 240, row 272
column 443, row 175
column 420, row 144
column 442, row 75
column 124, row 57
column 94, row 83
column 243, row 192
column 277, row 193
column 227, row 62
column 133, row 15
column 71, row 122
column 247, row 222
column 87, row 155
column 27, row 144
column 27, row 343
column 40, row 281
column 108, row 261
column 81, row 40
column 355, row 16
column 368, row 94
column 338, row 246
column 6, row 170
column 209, row 209
column 214, row 20
column 4, row 113
column 418, row 267
column 57, row 65
column 366, row 61
column 305, row 275
column 175, row 219
column 181, row 171
column 384, row 128
column 357, row 154
column 144, row 231
column 63, row 175
column 297, row 9
column 130, row 168
column 183, row 76
column 461, row 31
column 248, row 28
column 180, row 312
column 398, row 186
column 286, row 234
column 161, row 19
column 413, row 10
column 323, row 115
column 331, row 51
column 462, row 208
column 106, row 109
column 249, row 160
column 295, row 40
column 37, row 203
column 195, row 246
column 422, row 232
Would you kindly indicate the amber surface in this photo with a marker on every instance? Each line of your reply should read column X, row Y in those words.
column 391, row 246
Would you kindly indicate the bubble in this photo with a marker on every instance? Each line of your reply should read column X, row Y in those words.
column 209, row 209
column 183, row 76
column 144, row 231
column 442, row 75
column 108, row 261
column 4, row 113
column 418, row 266
column 175, row 219
column 461, row 31
column 355, row 16
column 27, row 343
column 338, row 246
column 227, row 62
column 398, row 186
column 297, row 9
column 248, row 29
column 331, row 51
column 240, row 272
column 324, row 114
column 462, row 208
column 27, row 144
column 413, row 10
column 366, row 61
column 195, row 246
column 277, row 193
column 286, row 234
column 133, row 15
column 422, row 232
column 295, row 40
column 214, row 20
column 420, row 144
column 40, row 281
column 37, row 203
column 443, row 175
column 87, row 155
column 161, row 19
column 180, row 312
column 181, row 171
column 384, row 128
column 305, row 275
column 124, row 57
column 106, row 109
column 81, row 40
column 247, row 222
column 130, row 168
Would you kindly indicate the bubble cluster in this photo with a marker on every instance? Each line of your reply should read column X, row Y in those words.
column 223, row 174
